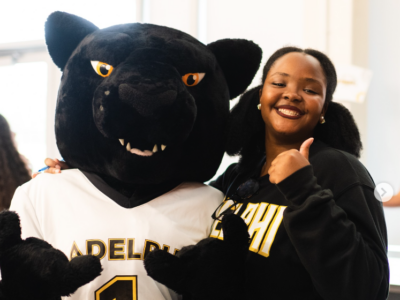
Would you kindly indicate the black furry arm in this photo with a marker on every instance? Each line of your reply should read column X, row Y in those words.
column 33, row 269
column 2, row 297
column 341, row 242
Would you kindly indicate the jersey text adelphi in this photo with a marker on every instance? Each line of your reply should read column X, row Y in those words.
column 118, row 249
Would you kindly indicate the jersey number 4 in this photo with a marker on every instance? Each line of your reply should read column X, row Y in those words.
column 118, row 288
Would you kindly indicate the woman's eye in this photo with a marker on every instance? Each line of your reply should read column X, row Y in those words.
column 192, row 79
column 278, row 84
column 101, row 68
column 309, row 91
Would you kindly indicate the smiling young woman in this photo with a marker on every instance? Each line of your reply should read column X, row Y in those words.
column 316, row 229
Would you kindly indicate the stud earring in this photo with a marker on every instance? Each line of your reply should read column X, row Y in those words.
column 259, row 106
column 322, row 120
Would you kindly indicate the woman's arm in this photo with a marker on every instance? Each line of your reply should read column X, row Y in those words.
column 341, row 242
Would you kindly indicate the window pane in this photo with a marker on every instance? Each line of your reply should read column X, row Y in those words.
column 24, row 19
column 23, row 104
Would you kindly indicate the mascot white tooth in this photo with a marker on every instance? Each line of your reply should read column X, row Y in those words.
column 142, row 116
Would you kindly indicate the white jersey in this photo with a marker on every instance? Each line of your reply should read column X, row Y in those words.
column 74, row 216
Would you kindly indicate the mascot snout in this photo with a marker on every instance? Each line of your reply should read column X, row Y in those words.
column 143, row 102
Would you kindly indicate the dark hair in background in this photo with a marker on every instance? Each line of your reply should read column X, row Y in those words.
column 247, row 130
column 13, row 171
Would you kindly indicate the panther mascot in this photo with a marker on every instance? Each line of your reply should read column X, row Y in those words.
column 142, row 115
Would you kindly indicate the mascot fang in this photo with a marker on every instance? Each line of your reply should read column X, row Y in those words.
column 142, row 116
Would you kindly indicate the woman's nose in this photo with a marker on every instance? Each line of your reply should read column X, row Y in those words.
column 292, row 96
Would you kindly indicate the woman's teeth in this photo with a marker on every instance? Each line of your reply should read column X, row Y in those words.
column 288, row 112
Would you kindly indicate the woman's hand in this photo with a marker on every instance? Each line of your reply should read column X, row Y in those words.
column 288, row 162
column 55, row 166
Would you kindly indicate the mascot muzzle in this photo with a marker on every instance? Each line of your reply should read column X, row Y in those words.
column 149, row 98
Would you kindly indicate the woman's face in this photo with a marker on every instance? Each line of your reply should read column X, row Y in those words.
column 293, row 96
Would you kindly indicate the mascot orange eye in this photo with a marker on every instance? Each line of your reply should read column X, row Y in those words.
column 192, row 79
column 101, row 68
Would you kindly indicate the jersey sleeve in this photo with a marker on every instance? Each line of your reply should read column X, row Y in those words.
column 341, row 242
column 23, row 206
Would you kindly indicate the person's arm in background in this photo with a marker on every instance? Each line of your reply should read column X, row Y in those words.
column 394, row 201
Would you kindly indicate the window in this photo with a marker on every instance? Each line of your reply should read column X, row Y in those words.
column 29, row 79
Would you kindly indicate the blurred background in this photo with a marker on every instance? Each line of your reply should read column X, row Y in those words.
column 360, row 36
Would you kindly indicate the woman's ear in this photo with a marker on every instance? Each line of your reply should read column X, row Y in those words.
column 325, row 109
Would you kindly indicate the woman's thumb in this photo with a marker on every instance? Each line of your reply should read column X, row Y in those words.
column 305, row 147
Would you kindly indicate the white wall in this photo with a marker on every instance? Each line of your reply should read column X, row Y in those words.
column 384, row 102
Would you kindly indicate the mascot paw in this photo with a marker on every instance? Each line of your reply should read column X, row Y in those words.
column 211, row 269
column 81, row 270
column 33, row 269
column 235, row 230
column 166, row 268
column 10, row 230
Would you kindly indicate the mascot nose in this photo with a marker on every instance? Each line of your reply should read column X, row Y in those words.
column 145, row 103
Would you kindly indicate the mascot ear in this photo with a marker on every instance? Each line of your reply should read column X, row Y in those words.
column 239, row 61
column 63, row 33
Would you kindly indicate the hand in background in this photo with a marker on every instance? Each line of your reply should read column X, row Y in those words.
column 395, row 201
column 55, row 166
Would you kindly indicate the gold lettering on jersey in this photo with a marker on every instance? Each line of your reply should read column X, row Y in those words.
column 131, row 253
column 228, row 203
column 260, row 223
column 263, row 221
column 100, row 246
column 249, row 212
column 150, row 246
column 270, row 236
column 116, row 249
column 74, row 251
column 214, row 231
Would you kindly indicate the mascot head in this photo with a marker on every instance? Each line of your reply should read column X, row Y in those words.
column 143, row 103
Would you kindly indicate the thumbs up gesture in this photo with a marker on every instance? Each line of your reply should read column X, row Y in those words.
column 288, row 162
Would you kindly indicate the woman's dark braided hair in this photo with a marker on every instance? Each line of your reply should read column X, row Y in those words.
column 13, row 171
column 247, row 129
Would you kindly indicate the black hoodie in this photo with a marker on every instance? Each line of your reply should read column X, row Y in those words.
column 318, row 234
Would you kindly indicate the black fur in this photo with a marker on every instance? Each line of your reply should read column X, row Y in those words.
column 206, row 263
column 33, row 269
column 239, row 74
column 65, row 38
